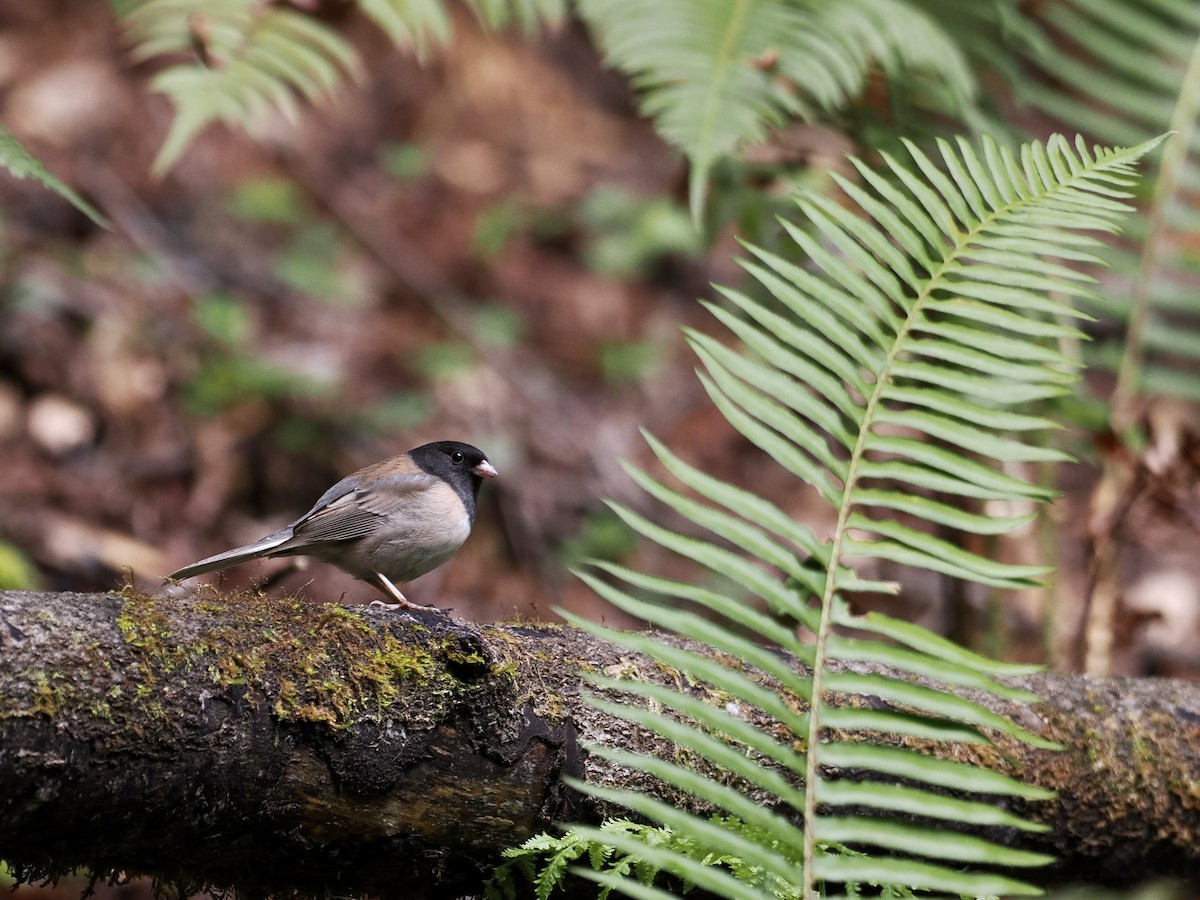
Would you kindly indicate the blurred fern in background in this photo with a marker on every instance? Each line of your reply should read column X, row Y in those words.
column 1123, row 71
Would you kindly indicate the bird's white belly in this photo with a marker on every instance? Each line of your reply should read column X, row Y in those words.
column 396, row 555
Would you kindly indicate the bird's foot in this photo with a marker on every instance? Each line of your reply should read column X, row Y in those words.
column 379, row 604
column 402, row 602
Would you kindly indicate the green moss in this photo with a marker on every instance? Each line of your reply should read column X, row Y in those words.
column 1143, row 754
column 452, row 651
column 144, row 625
column 50, row 693
column 310, row 662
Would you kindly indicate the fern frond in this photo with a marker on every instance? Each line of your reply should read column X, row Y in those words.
column 715, row 74
column 20, row 163
column 1123, row 72
column 249, row 57
column 879, row 374
column 254, row 57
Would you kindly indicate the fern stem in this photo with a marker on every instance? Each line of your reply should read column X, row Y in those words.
column 1154, row 247
column 826, row 620
column 845, row 510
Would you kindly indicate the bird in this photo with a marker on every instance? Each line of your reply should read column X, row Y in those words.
column 389, row 522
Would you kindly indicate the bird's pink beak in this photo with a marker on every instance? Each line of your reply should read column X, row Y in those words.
column 485, row 470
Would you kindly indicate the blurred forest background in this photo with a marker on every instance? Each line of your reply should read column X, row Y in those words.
column 492, row 244
column 487, row 247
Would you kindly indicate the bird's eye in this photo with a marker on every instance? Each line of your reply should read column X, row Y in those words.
column 456, row 456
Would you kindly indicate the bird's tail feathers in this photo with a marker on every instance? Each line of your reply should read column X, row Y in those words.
column 260, row 548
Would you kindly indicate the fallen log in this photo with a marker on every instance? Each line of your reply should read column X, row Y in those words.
column 277, row 745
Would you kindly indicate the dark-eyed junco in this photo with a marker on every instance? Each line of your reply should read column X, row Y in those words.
column 387, row 523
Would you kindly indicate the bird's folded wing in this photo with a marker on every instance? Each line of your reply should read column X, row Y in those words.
column 351, row 511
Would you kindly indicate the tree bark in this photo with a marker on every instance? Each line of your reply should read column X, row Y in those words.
column 279, row 746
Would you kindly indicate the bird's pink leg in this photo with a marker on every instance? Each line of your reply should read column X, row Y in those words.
column 402, row 602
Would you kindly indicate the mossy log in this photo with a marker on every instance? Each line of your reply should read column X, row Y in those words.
column 280, row 746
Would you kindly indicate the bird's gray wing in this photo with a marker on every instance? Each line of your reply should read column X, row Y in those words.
column 349, row 510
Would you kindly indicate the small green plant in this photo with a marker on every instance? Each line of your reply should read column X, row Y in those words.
column 230, row 370
column 623, row 362
column 223, row 318
column 545, row 861
column 398, row 412
column 242, row 58
column 714, row 75
column 628, row 235
column 270, row 200
column 443, row 359
column 497, row 326
column 404, row 160
column 602, row 535
column 1133, row 71
column 309, row 264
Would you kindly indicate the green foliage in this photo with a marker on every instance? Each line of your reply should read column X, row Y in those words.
column 309, row 260
column 427, row 23
column 20, row 163
column 404, row 160
column 623, row 362
column 497, row 326
column 223, row 318
column 232, row 370
column 880, row 375
column 444, row 359
column 544, row 861
column 310, row 264
column 628, row 235
column 601, row 536
column 714, row 74
column 225, row 381
column 400, row 411
column 989, row 31
column 252, row 57
column 497, row 224
column 527, row 14
column 273, row 200
column 17, row 573
column 247, row 57
column 1123, row 71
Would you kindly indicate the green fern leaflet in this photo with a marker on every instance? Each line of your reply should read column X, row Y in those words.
column 20, row 163
column 879, row 374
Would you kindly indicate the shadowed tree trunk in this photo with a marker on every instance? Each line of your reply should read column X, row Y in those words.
column 277, row 745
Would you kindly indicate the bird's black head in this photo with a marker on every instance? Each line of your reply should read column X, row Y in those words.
column 462, row 466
